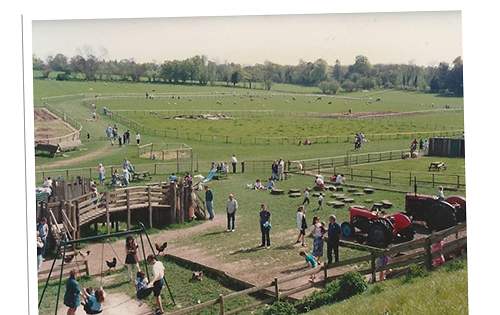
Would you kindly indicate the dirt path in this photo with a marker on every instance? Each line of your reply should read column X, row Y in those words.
column 98, row 153
column 115, row 304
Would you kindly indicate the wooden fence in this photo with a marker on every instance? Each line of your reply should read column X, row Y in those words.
column 417, row 252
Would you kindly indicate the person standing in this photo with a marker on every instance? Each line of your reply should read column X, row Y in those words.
column 265, row 226
column 231, row 207
column 157, row 271
column 334, row 233
column 128, row 136
column 281, row 167
column 43, row 231
column 301, row 224
column 209, row 199
column 39, row 245
column 318, row 239
column 306, row 197
column 320, row 201
column 131, row 259
column 125, row 176
column 138, row 138
column 274, row 169
column 72, row 294
column 234, row 161
column 101, row 171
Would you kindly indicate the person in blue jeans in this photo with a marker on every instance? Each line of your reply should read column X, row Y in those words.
column 334, row 233
column 265, row 226
column 209, row 199
column 231, row 207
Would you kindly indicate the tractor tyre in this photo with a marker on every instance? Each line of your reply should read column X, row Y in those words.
column 460, row 206
column 380, row 233
column 440, row 216
column 408, row 234
column 347, row 229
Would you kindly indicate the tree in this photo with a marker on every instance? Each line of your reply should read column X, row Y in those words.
column 58, row 63
column 362, row 65
column 212, row 72
column 252, row 74
column 330, row 87
column 348, row 86
column 434, row 85
column 319, row 71
column 88, row 62
column 224, row 72
column 38, row 63
column 337, row 71
column 268, row 75
column 235, row 77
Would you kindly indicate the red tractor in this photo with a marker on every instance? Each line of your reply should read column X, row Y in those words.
column 380, row 227
column 438, row 215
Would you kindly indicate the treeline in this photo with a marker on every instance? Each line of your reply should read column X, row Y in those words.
column 361, row 75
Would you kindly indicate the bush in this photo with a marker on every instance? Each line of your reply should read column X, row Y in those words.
column 351, row 283
column 281, row 308
column 415, row 271
column 456, row 265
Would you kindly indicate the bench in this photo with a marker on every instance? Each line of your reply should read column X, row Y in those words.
column 141, row 175
column 437, row 166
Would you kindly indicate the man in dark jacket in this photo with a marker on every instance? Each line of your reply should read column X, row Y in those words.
column 334, row 233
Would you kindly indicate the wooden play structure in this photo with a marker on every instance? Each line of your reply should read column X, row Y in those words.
column 74, row 205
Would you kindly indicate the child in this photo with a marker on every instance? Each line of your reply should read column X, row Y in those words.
column 322, row 227
column 93, row 300
column 270, row 184
column 306, row 196
column 311, row 262
column 320, row 201
column 440, row 193
column 141, row 285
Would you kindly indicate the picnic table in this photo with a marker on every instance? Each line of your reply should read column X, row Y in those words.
column 437, row 166
column 141, row 175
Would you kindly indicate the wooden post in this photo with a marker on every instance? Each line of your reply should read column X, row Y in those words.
column 325, row 271
column 371, row 175
column 373, row 266
column 221, row 302
column 177, row 161
column 127, row 193
column 76, row 220
column 107, row 213
column 276, row 290
column 390, row 177
column 428, row 254
column 150, row 207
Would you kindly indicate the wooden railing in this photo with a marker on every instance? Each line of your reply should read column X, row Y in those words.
column 421, row 254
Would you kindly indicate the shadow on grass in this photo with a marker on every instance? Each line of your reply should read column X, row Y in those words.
column 247, row 250
column 289, row 271
column 216, row 233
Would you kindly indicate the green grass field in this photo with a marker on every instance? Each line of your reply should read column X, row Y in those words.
column 241, row 245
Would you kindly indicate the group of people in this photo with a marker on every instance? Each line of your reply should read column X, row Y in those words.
column 358, row 139
column 93, row 299
column 419, row 145
column 112, row 135
column 307, row 142
column 318, row 230
column 278, row 170
column 117, row 179
column 259, row 186
column 220, row 167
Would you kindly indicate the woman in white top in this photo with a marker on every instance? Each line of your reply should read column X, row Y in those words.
column 301, row 224
column 318, row 239
column 101, row 171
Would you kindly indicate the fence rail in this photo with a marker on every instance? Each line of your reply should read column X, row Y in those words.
column 423, row 255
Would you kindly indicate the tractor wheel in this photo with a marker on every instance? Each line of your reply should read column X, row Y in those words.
column 408, row 233
column 440, row 216
column 347, row 229
column 460, row 206
column 380, row 233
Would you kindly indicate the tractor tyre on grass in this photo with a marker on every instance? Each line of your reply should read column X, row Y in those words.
column 441, row 216
column 347, row 229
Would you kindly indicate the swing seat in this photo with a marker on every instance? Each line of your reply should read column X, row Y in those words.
column 144, row 292
column 87, row 309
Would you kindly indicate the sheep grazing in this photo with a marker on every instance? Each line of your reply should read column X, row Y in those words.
column 235, row 103
column 293, row 98
column 366, row 103
column 287, row 101
column 329, row 103
column 190, row 100
column 319, row 98
column 91, row 89
column 251, row 98
column 377, row 100
column 265, row 98
column 168, row 103
column 219, row 103
column 350, row 110
column 345, row 103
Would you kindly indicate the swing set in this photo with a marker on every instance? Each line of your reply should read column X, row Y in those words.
column 64, row 243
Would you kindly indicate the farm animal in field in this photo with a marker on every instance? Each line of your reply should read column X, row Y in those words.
column 251, row 98
column 161, row 248
column 319, row 98
column 293, row 98
column 329, row 103
column 69, row 258
column 197, row 276
column 350, row 110
column 287, row 101
column 111, row 264
column 219, row 103
column 377, row 100
column 235, row 103
column 407, row 155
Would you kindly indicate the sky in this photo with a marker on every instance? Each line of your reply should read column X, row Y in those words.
column 422, row 38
